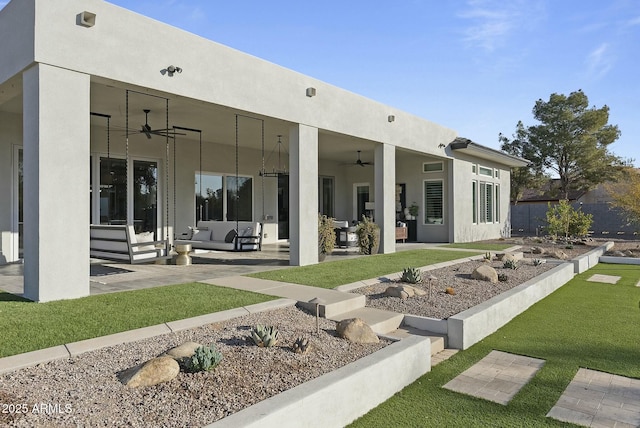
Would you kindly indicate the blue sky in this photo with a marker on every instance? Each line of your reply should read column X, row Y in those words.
column 476, row 66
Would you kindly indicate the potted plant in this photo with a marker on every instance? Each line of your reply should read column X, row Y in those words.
column 326, row 236
column 368, row 236
column 413, row 210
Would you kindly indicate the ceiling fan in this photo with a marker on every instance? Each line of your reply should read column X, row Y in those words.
column 359, row 161
column 148, row 131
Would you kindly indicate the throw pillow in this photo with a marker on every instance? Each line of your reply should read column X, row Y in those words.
column 230, row 236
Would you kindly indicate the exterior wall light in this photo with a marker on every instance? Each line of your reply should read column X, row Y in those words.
column 173, row 69
column 391, row 118
column 311, row 92
column 86, row 19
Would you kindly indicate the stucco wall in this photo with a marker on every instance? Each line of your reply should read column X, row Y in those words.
column 213, row 73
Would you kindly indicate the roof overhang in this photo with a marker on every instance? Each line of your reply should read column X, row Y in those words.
column 467, row 146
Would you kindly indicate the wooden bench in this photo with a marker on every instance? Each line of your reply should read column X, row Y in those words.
column 120, row 243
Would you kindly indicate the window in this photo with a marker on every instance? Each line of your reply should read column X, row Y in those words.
column 433, row 202
column 474, row 168
column 474, row 196
column 432, row 167
column 496, row 173
column 497, row 200
column 486, row 171
column 222, row 197
column 325, row 196
column 486, row 202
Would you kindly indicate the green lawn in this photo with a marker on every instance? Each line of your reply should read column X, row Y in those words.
column 583, row 324
column 332, row 274
column 479, row 246
column 28, row 326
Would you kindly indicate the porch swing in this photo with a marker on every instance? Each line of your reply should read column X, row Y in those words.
column 234, row 235
column 119, row 242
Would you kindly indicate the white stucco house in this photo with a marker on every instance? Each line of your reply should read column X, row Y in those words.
column 88, row 91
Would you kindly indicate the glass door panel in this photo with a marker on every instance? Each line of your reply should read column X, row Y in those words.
column 209, row 197
column 145, row 196
column 239, row 198
column 113, row 191
column 362, row 197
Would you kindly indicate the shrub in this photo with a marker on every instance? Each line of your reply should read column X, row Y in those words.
column 264, row 337
column 205, row 358
column 411, row 275
column 563, row 219
column 326, row 234
column 368, row 236
column 510, row 264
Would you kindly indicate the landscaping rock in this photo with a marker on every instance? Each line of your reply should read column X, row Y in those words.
column 186, row 350
column 485, row 273
column 417, row 291
column 400, row 291
column 557, row 254
column 153, row 372
column 356, row 330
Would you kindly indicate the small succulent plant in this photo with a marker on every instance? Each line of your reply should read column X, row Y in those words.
column 264, row 337
column 487, row 256
column 537, row 262
column 205, row 358
column 510, row 264
column 502, row 277
column 301, row 345
column 411, row 275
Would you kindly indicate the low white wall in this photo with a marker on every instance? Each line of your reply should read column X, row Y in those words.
column 588, row 260
column 339, row 397
column 620, row 260
column 474, row 324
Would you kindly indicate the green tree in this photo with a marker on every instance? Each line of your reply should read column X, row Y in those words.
column 626, row 195
column 571, row 142
column 524, row 177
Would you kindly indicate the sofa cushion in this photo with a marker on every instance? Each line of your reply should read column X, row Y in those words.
column 201, row 235
column 231, row 235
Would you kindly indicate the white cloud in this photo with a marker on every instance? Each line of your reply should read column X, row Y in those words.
column 493, row 22
column 599, row 61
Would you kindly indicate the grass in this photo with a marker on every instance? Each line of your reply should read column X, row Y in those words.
column 479, row 246
column 583, row 324
column 28, row 326
column 332, row 274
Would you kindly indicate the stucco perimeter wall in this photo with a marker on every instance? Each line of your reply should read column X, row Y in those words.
column 127, row 47
column 473, row 325
column 339, row 397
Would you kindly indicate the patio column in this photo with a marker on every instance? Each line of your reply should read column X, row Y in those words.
column 385, row 191
column 56, row 183
column 303, row 195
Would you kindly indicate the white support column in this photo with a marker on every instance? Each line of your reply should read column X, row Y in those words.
column 56, row 183
column 385, row 189
column 303, row 195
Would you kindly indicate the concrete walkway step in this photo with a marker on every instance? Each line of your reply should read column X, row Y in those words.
column 334, row 302
column 438, row 343
column 380, row 321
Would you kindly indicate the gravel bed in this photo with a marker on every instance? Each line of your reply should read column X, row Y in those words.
column 469, row 292
column 84, row 390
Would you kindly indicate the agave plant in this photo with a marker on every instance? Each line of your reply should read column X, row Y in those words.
column 411, row 275
column 264, row 336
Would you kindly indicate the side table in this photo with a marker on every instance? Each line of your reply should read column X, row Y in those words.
column 183, row 251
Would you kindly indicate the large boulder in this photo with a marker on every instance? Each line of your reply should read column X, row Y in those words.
column 356, row 330
column 485, row 273
column 153, row 372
